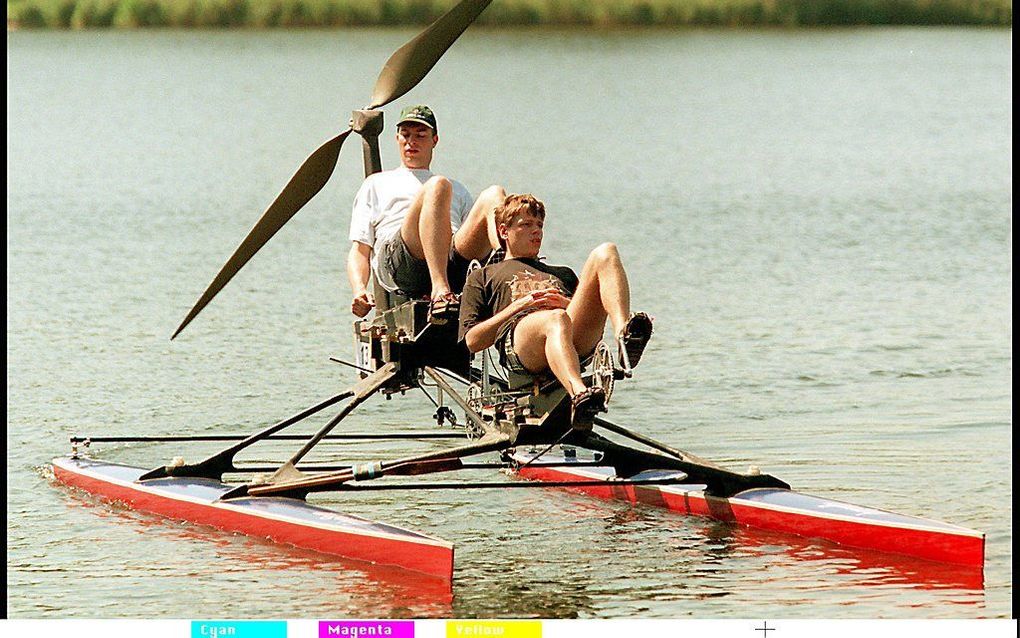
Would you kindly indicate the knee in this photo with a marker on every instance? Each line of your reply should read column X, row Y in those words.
column 558, row 321
column 438, row 184
column 487, row 202
column 493, row 195
column 607, row 252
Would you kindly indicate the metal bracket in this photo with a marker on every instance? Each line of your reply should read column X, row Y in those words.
column 369, row 125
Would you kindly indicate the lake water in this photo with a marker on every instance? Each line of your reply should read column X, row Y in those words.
column 819, row 221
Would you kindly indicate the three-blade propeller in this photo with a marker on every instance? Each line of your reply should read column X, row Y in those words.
column 401, row 73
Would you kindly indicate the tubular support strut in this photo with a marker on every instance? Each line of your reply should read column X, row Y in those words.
column 216, row 465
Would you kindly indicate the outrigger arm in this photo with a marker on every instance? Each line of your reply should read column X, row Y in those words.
column 652, row 443
column 216, row 465
column 361, row 391
column 629, row 461
column 288, row 481
column 430, row 463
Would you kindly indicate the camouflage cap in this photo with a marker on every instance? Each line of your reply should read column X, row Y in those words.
column 419, row 113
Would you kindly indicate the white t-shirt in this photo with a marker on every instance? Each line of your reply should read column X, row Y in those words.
column 382, row 203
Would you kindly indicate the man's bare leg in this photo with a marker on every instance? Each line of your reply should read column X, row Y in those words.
column 545, row 340
column 427, row 232
column 603, row 292
column 477, row 235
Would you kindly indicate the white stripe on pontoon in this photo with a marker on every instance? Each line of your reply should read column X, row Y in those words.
column 419, row 539
column 953, row 530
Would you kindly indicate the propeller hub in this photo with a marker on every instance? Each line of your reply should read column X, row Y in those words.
column 367, row 123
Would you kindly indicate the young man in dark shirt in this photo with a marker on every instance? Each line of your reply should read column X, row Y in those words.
column 544, row 317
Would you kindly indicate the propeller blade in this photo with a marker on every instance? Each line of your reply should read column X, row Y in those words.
column 411, row 62
column 306, row 182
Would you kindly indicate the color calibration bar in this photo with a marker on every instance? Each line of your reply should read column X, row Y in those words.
column 441, row 628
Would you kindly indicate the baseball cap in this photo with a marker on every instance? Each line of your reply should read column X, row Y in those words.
column 419, row 113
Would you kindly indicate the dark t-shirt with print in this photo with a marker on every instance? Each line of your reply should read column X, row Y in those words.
column 491, row 289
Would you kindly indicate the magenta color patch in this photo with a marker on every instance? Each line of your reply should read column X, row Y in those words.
column 366, row 629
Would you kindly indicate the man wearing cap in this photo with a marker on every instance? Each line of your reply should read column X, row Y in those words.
column 417, row 231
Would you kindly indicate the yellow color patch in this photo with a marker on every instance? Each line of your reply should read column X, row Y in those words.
column 494, row 629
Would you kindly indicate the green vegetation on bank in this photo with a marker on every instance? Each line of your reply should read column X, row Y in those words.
column 83, row 14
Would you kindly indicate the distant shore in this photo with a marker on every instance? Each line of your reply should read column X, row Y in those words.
column 263, row 14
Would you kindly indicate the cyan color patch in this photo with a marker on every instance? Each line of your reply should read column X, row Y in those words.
column 238, row 629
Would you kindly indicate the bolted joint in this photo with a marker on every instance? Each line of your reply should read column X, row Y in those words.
column 367, row 123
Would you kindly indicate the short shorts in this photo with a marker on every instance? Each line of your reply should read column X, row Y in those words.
column 508, row 357
column 411, row 275
column 505, row 346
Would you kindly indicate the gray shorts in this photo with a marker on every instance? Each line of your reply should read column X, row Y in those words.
column 508, row 357
column 505, row 346
column 411, row 275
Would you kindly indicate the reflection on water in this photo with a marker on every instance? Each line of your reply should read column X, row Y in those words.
column 344, row 585
column 716, row 542
column 866, row 568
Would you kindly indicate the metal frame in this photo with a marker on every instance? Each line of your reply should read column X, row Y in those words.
column 403, row 351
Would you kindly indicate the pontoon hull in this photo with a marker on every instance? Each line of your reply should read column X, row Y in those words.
column 283, row 520
column 785, row 511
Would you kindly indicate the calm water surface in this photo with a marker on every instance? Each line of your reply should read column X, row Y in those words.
column 819, row 221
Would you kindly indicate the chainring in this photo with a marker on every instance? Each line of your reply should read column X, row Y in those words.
column 602, row 370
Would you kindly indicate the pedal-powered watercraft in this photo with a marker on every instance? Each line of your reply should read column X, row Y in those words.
column 523, row 423
column 398, row 351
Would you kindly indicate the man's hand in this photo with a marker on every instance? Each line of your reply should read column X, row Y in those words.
column 547, row 299
column 362, row 304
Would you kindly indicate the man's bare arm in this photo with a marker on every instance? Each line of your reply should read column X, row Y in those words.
column 483, row 335
column 359, row 268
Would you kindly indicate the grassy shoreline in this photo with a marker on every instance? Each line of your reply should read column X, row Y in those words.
column 130, row 14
